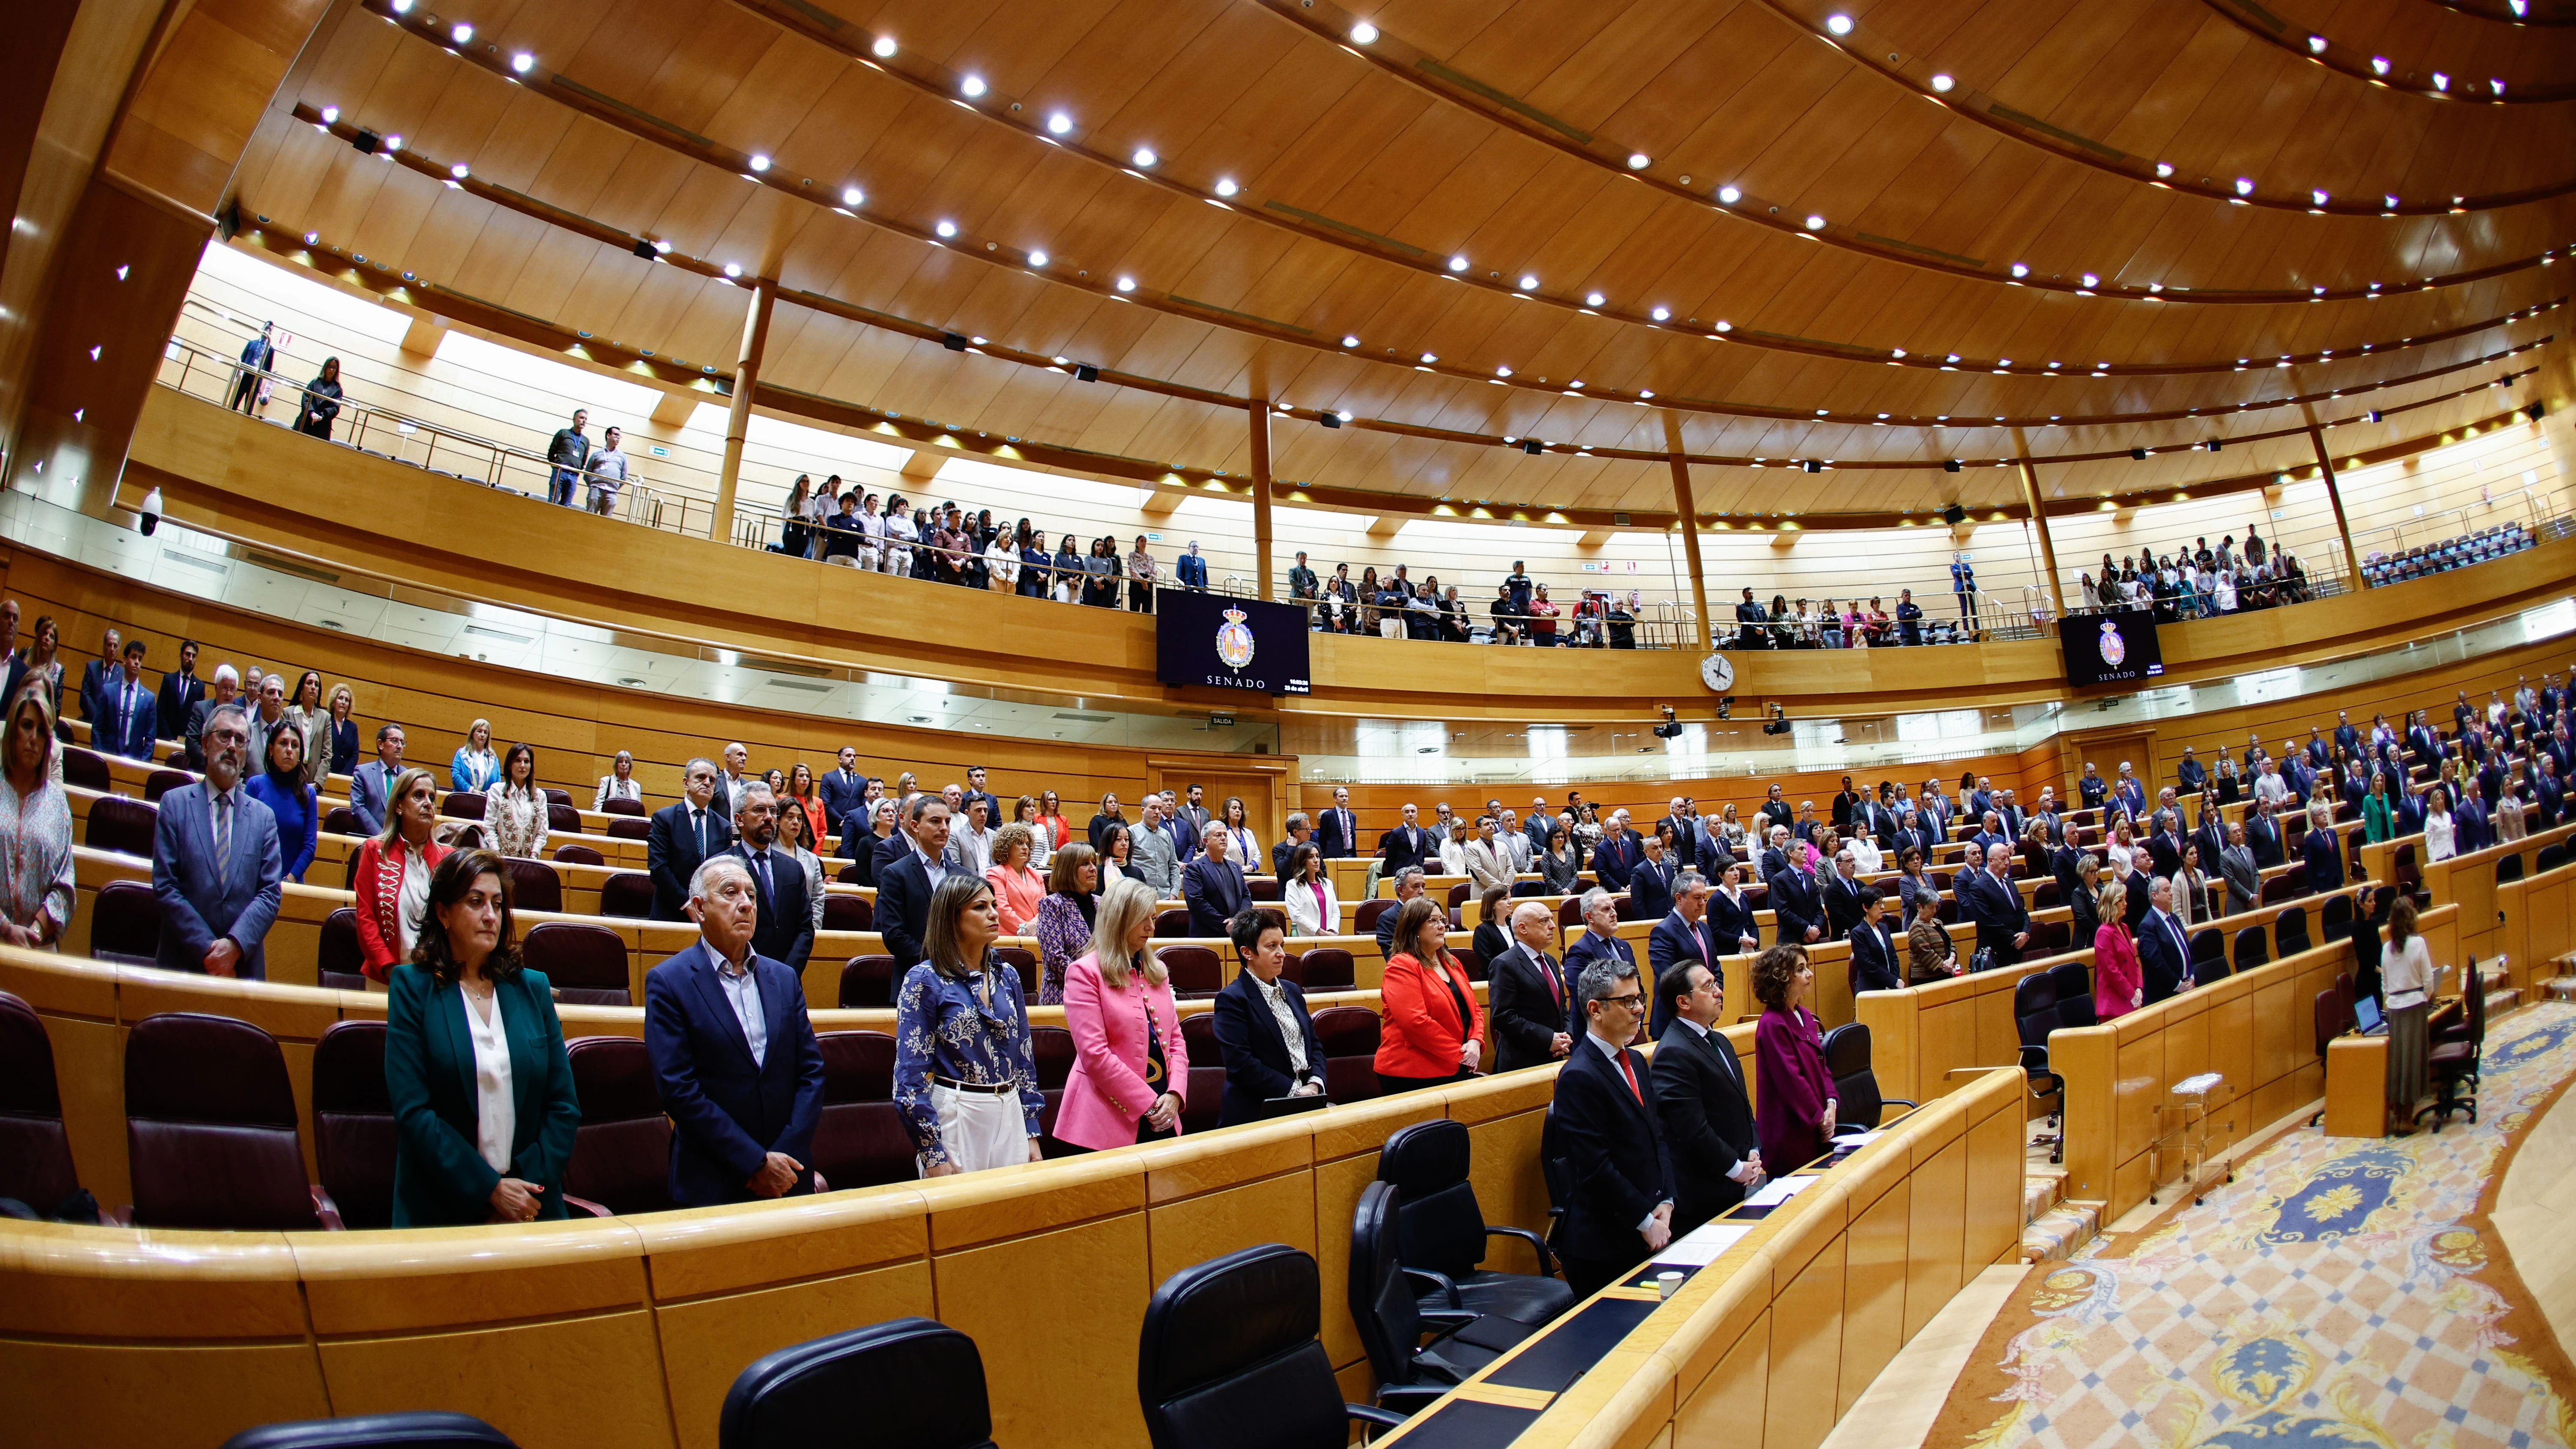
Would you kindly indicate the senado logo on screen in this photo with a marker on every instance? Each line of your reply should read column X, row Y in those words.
column 1234, row 641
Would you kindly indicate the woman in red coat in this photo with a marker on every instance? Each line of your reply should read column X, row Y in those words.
column 1432, row 1030
column 392, row 877
column 2118, row 983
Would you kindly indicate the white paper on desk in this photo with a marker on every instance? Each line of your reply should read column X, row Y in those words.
column 1700, row 1246
column 1780, row 1190
column 1859, row 1137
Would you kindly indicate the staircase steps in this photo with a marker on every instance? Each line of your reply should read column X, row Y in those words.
column 2060, row 1232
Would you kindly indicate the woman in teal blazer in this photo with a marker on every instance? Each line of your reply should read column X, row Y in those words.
column 451, row 1112
column 2376, row 821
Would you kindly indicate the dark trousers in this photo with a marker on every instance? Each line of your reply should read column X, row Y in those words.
column 245, row 393
column 1140, row 598
column 1389, row 1086
column 559, row 488
column 1587, row 1276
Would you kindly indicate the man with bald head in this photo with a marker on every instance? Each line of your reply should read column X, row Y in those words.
column 1530, row 993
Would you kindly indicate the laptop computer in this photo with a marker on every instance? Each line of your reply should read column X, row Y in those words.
column 2366, row 1017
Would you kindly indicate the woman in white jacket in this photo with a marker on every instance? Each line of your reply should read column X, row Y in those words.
column 1308, row 895
column 2437, row 826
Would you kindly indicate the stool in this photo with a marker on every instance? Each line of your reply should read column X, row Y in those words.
column 2183, row 1128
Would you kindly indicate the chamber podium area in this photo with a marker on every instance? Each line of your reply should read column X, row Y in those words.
column 731, row 724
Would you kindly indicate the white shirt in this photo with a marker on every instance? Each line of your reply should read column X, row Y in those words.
column 742, row 992
column 496, row 1114
column 1289, row 1031
column 2405, row 974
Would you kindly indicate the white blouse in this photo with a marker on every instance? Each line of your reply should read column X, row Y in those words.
column 495, row 1111
column 414, row 907
column 2405, row 974
column 2437, row 836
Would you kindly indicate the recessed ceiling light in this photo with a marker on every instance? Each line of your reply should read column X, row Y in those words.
column 2245, row 186
column 1662, row 314
column 1225, row 186
column 457, row 170
column 1647, row 392
column 523, row 62
column 463, row 32
column 759, row 163
column 312, row 238
column 2021, row 269
column 1037, row 259
column 2316, row 45
column 971, row 86
column 1528, row 283
column 1502, row 372
column 1126, row 284
column 852, row 196
column 946, row 228
column 1059, row 123
column 2379, row 65
column 1457, row 264
column 1344, row 415
column 663, row 246
column 1639, row 161
column 731, row 270
column 1145, row 157
column 1725, row 326
column 393, row 143
column 1593, row 299
column 2091, row 280
column 1953, row 357
column 2497, row 85
column 1364, row 32
column 1729, row 195
column 2164, row 169
column 1839, row 24
column 1350, row 342
column 1427, row 357
column 2318, row 197
column 1815, row 223
column 2441, row 82
column 330, row 115
column 1578, row 382
column 1942, row 83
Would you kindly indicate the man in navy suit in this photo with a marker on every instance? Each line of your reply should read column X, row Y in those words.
column 2164, row 949
column 1605, row 1129
column 1987, row 896
column 180, row 690
column 371, row 782
column 842, row 787
column 1192, row 568
column 734, row 1055
column 680, row 836
column 2323, row 850
column 1617, row 854
column 1650, row 885
column 1533, row 999
column 125, row 716
column 1842, row 894
column 1600, row 935
column 1213, row 887
column 1262, row 1029
column 906, row 880
column 2345, row 734
column 2263, row 836
column 95, row 675
column 1403, row 847
column 1337, row 835
column 784, row 931
column 2129, row 794
column 216, row 863
column 1797, row 904
column 1685, row 934
column 1700, row 1100
column 977, row 789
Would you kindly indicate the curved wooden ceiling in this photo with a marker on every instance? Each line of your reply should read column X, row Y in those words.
column 1502, row 137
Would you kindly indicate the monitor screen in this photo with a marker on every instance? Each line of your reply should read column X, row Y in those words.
column 2114, row 648
column 1211, row 640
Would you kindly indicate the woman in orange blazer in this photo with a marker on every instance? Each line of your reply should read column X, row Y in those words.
column 1433, row 1031
column 391, row 879
column 1130, row 1067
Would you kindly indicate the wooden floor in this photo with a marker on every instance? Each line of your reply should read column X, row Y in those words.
column 2531, row 1212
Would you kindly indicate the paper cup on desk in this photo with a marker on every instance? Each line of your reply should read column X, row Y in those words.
column 1667, row 1284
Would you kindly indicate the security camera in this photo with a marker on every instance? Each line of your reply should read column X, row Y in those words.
column 150, row 512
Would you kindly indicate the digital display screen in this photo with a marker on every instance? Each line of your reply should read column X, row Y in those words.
column 1213, row 641
column 2115, row 648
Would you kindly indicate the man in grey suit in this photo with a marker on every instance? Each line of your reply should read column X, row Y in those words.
column 227, row 685
column 2244, row 881
column 370, row 782
column 216, row 864
column 1150, row 857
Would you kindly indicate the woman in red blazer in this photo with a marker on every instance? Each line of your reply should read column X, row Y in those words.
column 391, row 881
column 1432, row 1030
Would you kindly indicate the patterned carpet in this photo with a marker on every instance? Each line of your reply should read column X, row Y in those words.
column 2341, row 1293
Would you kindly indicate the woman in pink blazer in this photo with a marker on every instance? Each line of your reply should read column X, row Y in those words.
column 1016, row 888
column 1129, row 1064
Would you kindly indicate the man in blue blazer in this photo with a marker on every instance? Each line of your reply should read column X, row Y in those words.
column 126, row 715
column 683, row 835
column 1406, row 844
column 1213, row 887
column 785, row 925
column 1604, row 1128
column 2164, row 949
column 1617, row 854
column 180, row 690
column 842, row 787
column 1262, row 1063
column 1650, row 884
column 1338, row 833
column 734, row 1056
column 95, row 675
column 216, row 863
column 2323, row 850
column 371, row 782
column 920, row 861
column 1685, row 935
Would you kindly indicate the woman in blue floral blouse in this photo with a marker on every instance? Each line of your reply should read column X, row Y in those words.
column 964, row 1079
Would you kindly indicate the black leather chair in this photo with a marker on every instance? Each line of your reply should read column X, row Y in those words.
column 1349, row 1036
column 2550, row 858
column 120, row 824
column 462, row 805
column 353, row 1123
column 210, row 1129
column 621, row 1153
column 2334, row 918
column 1230, row 1356
column 339, row 957
column 162, row 782
column 1441, row 1230
column 1855, row 1085
column 35, row 1148
column 868, row 981
column 2455, row 1064
column 1392, row 1325
column 125, row 924
column 911, row 1383
column 2508, row 869
column 627, row 895
column 2074, row 981
column 2333, row 1018
column 415, row 1430
column 583, row 961
column 2252, row 949
column 2289, row 932
column 1203, row 1097
column 2035, row 1016
column 1051, row 1054
column 860, row 1141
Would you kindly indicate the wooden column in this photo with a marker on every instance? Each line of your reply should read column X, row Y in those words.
column 1260, row 411
column 2334, row 500
column 746, row 381
column 2039, row 527
column 1689, row 515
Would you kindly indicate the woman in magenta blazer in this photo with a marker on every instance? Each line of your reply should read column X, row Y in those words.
column 1793, row 1114
column 1130, row 1067
column 2118, row 982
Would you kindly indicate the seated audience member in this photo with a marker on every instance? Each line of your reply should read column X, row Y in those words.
column 2118, row 985
column 734, row 1055
column 1017, row 889
column 683, row 835
column 1263, row 1032
column 619, row 783
column 1130, row 1067
column 175, row 702
column 1794, row 1111
column 125, row 715
column 783, row 929
column 1307, row 892
column 514, row 811
column 1606, row 1124
column 391, row 880
column 281, row 787
column 38, row 885
column 482, row 1092
column 226, row 688
column 1432, row 1029
column 1065, row 917
column 965, row 1078
column 474, row 766
column 1532, row 999
column 216, row 863
column 369, row 783
column 1213, row 886
column 1700, row 1101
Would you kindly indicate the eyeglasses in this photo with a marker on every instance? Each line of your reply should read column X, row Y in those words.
column 1632, row 1001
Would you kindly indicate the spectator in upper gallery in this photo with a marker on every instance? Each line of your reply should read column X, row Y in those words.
column 293, row 800
column 682, row 835
column 1192, row 569
column 390, row 881
column 258, row 356
column 514, row 811
column 965, row 1078
column 734, row 1057
column 321, row 401
column 216, row 863
column 606, row 471
column 474, row 766
column 179, row 692
column 1143, row 573
column 619, row 783
column 125, row 714
column 569, row 453
column 369, row 782
column 37, row 890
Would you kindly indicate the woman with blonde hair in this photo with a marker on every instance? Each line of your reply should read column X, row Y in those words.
column 391, row 878
column 2119, row 982
column 37, row 879
column 339, row 735
column 475, row 768
column 1129, row 1063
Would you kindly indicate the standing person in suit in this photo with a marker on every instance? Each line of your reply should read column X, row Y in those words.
column 1873, row 954
column 1406, row 845
column 180, row 691
column 2263, row 836
column 227, row 687
column 1987, row 897
column 680, row 836
column 2323, row 850
column 1263, row 1033
column 1794, row 1110
column 842, row 786
column 1605, row 1126
column 1151, row 856
column 482, row 1094
column 2190, row 775
column 1338, row 833
column 2164, row 949
column 1213, row 886
column 1530, row 994
column 729, row 783
column 1686, row 933
column 1488, row 865
column 1842, row 894
column 96, row 673
column 1700, row 1101
column 1797, row 903
column 1600, row 935
column 1618, row 853
column 124, row 718
column 976, row 789
column 1731, row 913
column 907, row 882
column 217, row 863
column 370, row 783
column 1650, row 885
column 1300, row 831
column 783, row 928
column 733, row 1049
column 1131, row 1069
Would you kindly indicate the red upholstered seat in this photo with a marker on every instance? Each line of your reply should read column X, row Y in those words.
column 861, row 1140
column 162, row 782
column 85, row 770
column 462, row 805
column 625, row 828
column 627, row 894
column 534, row 886
column 211, row 1130
column 585, row 963
column 849, row 913
column 1349, row 1035
column 122, row 825
column 35, row 1150
column 621, row 1155
column 125, row 924
column 1326, row 968
column 340, row 954
column 579, row 855
column 1195, row 970
column 353, row 1122
column 867, row 981
column 624, row 807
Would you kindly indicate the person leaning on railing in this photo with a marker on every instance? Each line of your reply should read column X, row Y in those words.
column 607, row 473
column 321, row 401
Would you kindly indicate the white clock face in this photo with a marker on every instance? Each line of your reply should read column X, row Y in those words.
column 1717, row 672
